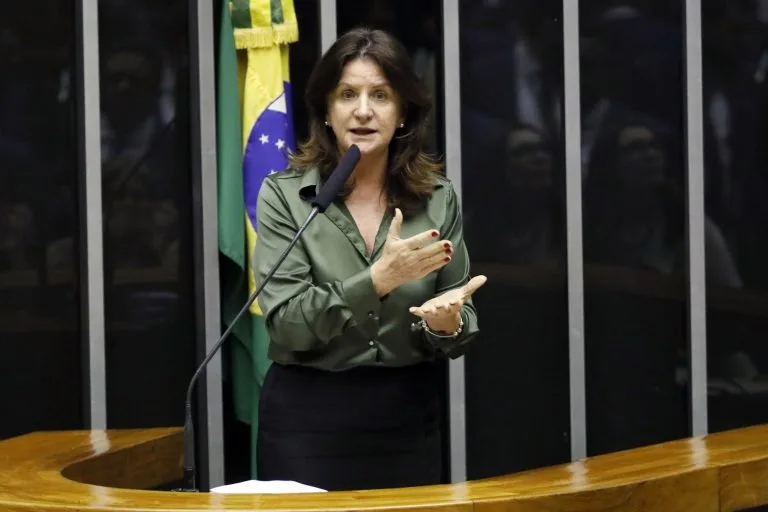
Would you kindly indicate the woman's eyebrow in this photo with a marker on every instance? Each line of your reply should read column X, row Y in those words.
column 383, row 83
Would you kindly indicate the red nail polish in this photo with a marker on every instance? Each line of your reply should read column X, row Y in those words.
column 447, row 259
column 447, row 245
column 448, row 251
column 434, row 234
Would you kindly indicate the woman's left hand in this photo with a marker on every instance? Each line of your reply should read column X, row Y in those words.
column 441, row 313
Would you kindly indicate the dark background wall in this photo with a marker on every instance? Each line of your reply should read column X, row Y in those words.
column 511, row 57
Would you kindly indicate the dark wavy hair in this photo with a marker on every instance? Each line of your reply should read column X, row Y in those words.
column 411, row 173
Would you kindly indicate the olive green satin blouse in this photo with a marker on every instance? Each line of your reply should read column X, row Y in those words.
column 321, row 308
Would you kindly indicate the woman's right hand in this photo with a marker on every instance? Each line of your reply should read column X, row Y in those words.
column 406, row 260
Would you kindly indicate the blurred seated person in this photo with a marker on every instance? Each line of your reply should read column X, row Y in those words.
column 137, row 137
column 525, row 193
column 17, row 236
column 634, row 207
column 141, row 230
column 18, row 230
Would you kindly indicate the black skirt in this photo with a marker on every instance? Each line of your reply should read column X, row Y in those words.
column 364, row 428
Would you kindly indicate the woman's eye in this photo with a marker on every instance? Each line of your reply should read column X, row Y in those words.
column 347, row 94
column 380, row 95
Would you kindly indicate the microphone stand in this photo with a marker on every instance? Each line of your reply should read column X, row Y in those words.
column 322, row 200
column 190, row 469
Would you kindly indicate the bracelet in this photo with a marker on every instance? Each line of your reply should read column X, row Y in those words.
column 423, row 325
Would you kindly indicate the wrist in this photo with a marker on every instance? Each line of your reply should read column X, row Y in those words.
column 445, row 327
column 381, row 284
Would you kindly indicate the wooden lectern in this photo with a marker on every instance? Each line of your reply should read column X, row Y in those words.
column 111, row 470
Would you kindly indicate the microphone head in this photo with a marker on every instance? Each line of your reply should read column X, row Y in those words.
column 339, row 176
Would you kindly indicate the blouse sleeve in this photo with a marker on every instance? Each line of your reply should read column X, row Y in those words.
column 454, row 275
column 301, row 315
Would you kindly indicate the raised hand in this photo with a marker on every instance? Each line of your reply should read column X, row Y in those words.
column 405, row 260
column 442, row 313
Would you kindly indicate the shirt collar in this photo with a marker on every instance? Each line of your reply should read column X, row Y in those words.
column 310, row 184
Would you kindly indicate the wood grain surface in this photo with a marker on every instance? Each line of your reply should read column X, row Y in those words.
column 108, row 470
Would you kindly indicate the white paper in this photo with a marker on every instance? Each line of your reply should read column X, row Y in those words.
column 266, row 487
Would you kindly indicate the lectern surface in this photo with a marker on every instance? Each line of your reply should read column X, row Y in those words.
column 107, row 470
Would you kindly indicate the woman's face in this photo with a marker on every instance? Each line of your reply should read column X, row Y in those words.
column 364, row 109
column 529, row 162
column 641, row 158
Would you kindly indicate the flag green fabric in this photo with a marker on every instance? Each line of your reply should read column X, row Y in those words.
column 254, row 133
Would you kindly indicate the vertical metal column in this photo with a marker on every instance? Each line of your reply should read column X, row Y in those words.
column 697, row 300
column 206, row 238
column 452, row 94
column 328, row 24
column 572, row 107
column 91, row 237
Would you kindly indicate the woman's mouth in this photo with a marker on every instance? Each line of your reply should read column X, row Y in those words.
column 362, row 131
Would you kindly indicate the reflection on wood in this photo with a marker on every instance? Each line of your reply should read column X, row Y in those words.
column 153, row 462
column 745, row 485
column 627, row 280
column 103, row 470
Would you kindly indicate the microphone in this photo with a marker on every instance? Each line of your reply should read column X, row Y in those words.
column 320, row 203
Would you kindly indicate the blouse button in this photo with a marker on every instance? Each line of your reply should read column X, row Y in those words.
column 372, row 343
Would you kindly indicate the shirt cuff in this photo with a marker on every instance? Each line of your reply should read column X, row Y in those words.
column 445, row 343
column 361, row 297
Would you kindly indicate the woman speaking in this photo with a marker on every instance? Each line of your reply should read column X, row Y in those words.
column 375, row 291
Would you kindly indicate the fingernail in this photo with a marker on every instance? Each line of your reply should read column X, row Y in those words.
column 434, row 234
column 447, row 245
column 447, row 259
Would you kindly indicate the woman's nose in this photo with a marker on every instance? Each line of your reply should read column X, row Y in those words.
column 363, row 107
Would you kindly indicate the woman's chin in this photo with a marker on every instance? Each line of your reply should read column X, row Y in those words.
column 366, row 147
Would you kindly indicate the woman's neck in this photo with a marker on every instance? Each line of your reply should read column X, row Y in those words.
column 370, row 176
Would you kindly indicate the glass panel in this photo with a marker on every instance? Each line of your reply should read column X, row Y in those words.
column 735, row 61
column 634, row 214
column 147, row 201
column 303, row 55
column 418, row 25
column 513, row 183
column 41, row 366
